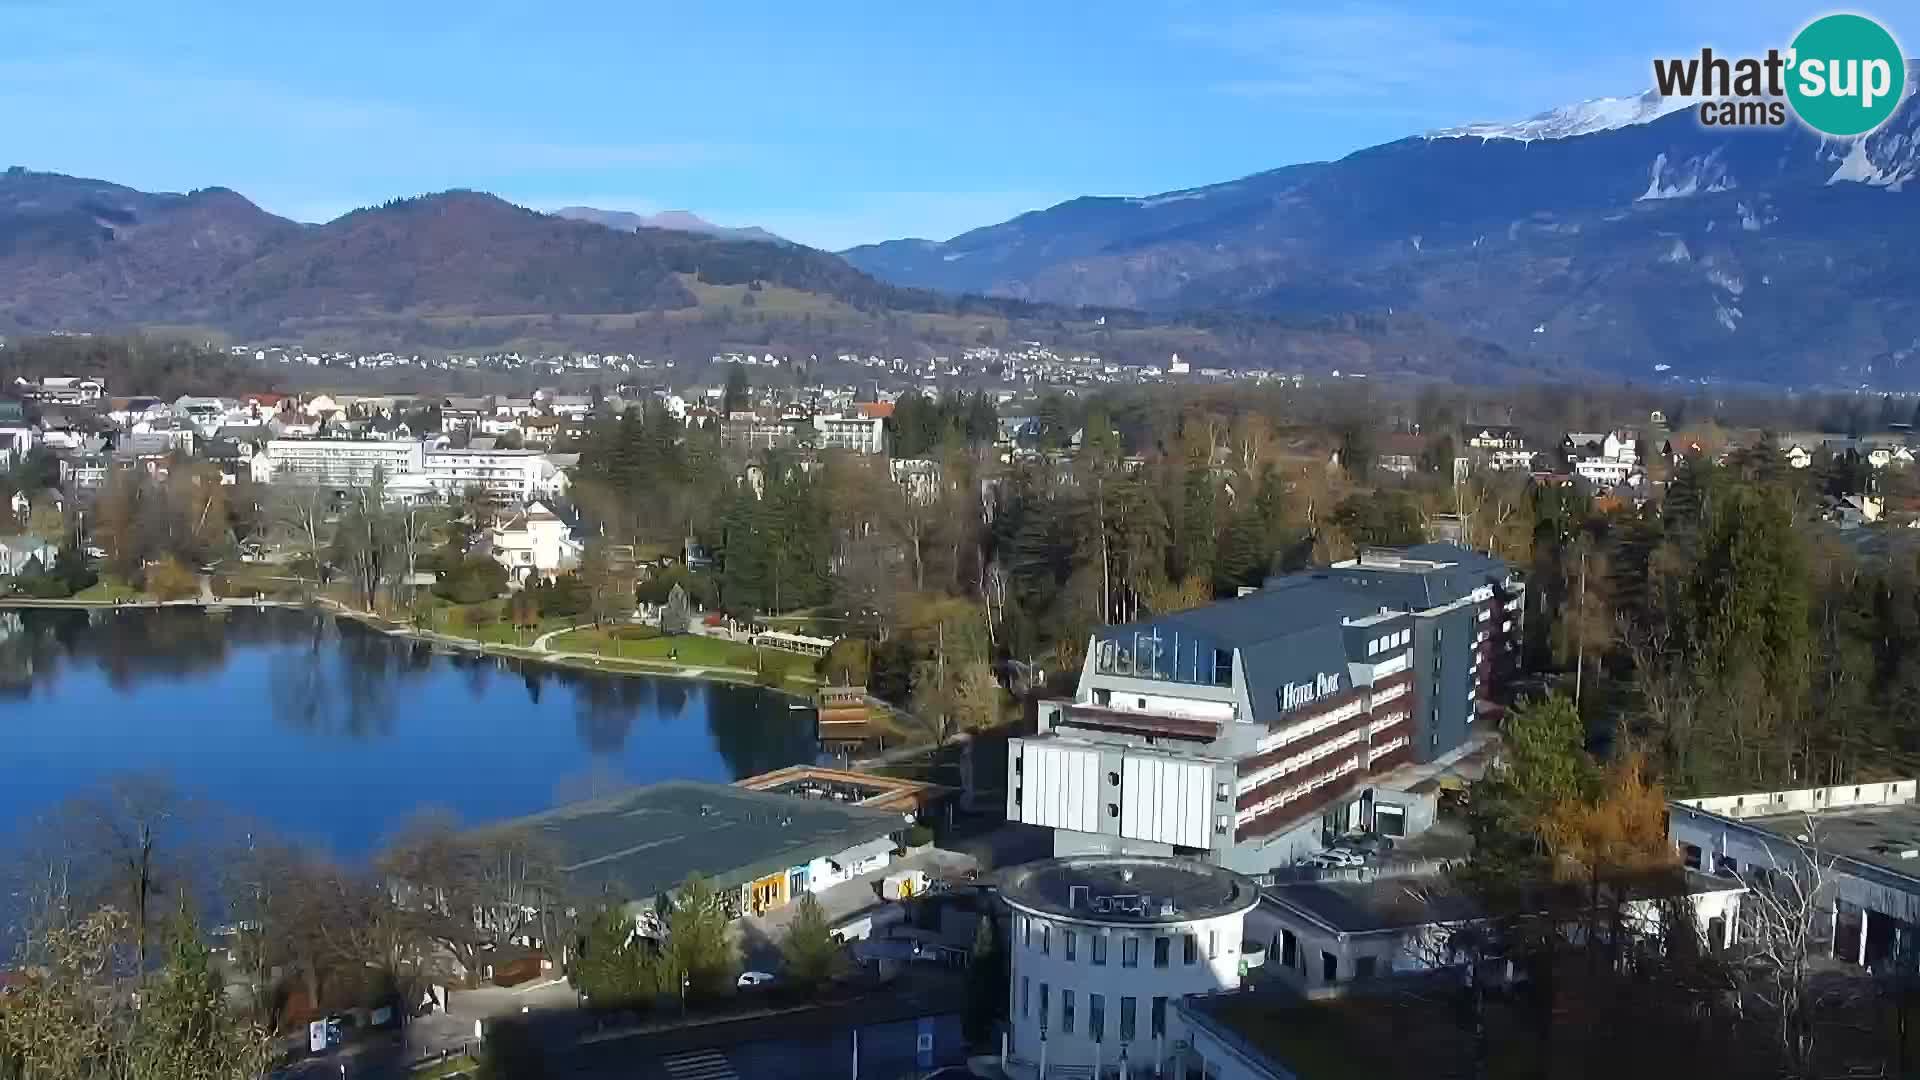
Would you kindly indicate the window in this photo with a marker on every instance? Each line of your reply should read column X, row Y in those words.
column 1159, row 1016
column 1069, row 938
column 1026, row 932
column 1691, row 855
column 1099, row 950
column 1046, row 939
column 1066, row 1010
column 1222, row 667
column 1286, row 949
column 1162, row 947
column 1096, row 1016
column 1129, row 952
column 1126, row 1019
column 1213, row 944
column 1191, row 945
column 1329, row 967
column 1362, row 969
column 1113, row 778
column 1043, row 1004
column 1373, row 646
column 1026, row 995
column 1113, row 809
column 1725, row 866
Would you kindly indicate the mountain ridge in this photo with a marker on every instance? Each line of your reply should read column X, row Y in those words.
column 1546, row 246
column 462, row 269
column 672, row 220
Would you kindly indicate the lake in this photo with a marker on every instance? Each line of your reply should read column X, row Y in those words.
column 333, row 733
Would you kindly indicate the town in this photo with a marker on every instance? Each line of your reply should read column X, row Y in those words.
column 1200, row 731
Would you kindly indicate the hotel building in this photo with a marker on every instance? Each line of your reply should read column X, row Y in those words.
column 1254, row 731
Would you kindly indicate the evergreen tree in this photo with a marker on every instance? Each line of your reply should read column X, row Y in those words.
column 809, row 951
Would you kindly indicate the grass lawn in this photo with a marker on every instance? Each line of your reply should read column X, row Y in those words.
column 108, row 589
column 643, row 645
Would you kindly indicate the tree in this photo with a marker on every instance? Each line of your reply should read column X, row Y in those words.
column 186, row 1028
column 987, row 982
column 130, row 829
column 168, row 579
column 614, row 967
column 299, row 512
column 810, row 953
column 699, row 955
column 738, row 395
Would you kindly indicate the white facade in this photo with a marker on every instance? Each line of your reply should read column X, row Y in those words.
column 342, row 462
column 505, row 475
column 861, row 434
column 1098, row 974
column 534, row 544
column 1602, row 471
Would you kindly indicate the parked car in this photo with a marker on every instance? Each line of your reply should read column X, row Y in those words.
column 1345, row 856
column 1368, row 844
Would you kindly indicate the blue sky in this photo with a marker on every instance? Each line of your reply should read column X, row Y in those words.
column 832, row 123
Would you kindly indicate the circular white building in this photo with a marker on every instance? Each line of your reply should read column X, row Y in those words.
column 1102, row 944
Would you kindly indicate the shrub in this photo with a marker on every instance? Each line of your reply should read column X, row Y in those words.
column 919, row 836
column 168, row 579
column 471, row 581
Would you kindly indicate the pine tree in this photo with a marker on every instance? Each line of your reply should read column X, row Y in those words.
column 810, row 953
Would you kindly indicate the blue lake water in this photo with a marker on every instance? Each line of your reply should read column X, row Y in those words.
column 330, row 733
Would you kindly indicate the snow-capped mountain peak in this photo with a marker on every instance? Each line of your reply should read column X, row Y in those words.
column 1583, row 118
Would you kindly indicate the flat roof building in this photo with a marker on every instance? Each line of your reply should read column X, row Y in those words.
column 1102, row 944
column 1254, row 731
column 869, row 790
column 759, row 847
column 1865, row 839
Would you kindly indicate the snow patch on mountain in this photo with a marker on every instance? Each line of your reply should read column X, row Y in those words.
column 1895, row 167
column 1582, row 118
column 1678, row 253
column 1726, row 316
column 1169, row 197
column 1690, row 177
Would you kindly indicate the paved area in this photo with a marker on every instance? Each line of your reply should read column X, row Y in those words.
column 759, row 936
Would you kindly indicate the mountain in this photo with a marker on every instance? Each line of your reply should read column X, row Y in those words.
column 1623, row 236
column 465, row 270
column 674, row 220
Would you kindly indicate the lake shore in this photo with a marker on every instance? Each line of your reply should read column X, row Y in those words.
column 583, row 661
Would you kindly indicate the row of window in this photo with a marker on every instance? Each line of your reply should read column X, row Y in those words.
column 1129, row 945
column 1391, row 641
column 1096, row 1012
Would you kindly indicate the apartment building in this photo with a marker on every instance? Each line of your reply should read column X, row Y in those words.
column 1252, row 732
column 504, row 475
column 338, row 462
column 860, row 434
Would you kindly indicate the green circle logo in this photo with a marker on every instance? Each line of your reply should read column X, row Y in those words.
column 1846, row 75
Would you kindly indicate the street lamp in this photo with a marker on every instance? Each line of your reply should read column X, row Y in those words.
column 685, row 980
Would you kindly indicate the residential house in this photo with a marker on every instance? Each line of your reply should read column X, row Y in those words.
column 18, row 550
column 534, row 543
column 1500, row 447
column 1400, row 453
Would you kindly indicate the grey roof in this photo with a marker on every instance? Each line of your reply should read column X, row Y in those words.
column 1293, row 629
column 1397, row 903
column 645, row 842
column 1133, row 889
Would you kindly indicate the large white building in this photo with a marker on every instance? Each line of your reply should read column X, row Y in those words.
column 339, row 462
column 412, row 468
column 504, row 475
column 1252, row 732
column 861, row 434
column 1103, row 944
